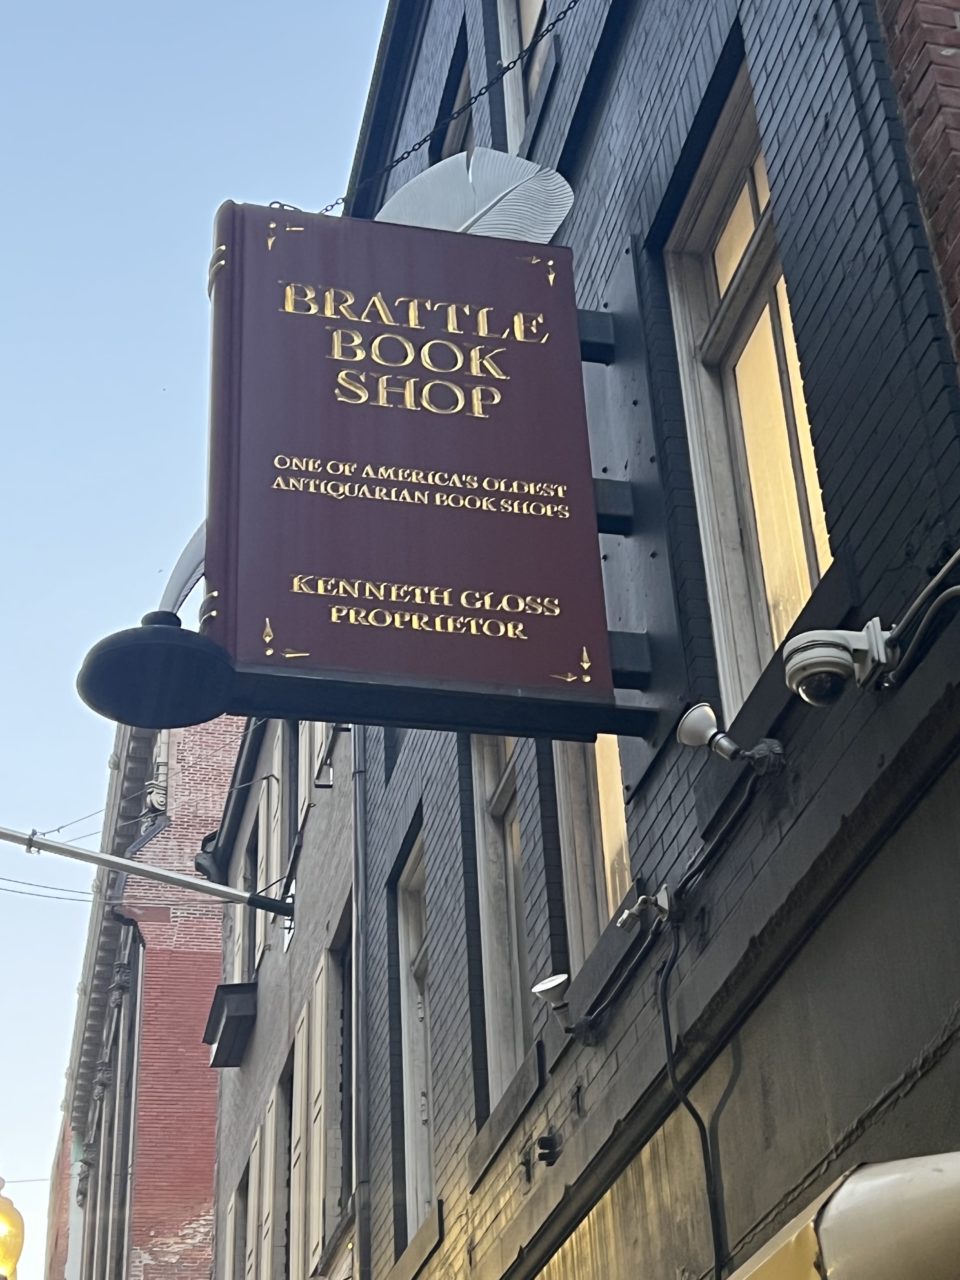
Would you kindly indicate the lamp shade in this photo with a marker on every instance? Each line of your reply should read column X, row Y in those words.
column 698, row 726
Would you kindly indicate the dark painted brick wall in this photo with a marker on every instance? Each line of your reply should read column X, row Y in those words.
column 637, row 89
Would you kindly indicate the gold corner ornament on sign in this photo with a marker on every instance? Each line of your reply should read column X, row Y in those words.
column 550, row 264
column 584, row 676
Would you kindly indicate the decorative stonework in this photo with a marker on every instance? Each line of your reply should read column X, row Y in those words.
column 102, row 1080
column 122, row 976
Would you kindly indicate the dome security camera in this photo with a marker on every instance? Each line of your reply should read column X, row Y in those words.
column 818, row 664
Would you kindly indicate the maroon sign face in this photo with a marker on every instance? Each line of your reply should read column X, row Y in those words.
column 400, row 486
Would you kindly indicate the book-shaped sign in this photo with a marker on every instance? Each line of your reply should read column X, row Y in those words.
column 401, row 524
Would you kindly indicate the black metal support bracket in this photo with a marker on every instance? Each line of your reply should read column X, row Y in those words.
column 615, row 510
column 597, row 337
column 630, row 659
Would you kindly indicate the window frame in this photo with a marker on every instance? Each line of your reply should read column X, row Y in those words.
column 519, row 94
column 506, row 978
column 413, row 954
column 712, row 331
column 587, row 854
column 458, row 135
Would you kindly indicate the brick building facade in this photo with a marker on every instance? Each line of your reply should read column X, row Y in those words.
column 924, row 45
column 140, row 1106
column 763, row 204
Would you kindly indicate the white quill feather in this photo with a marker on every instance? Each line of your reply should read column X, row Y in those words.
column 492, row 194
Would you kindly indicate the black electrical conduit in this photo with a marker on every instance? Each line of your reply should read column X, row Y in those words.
column 713, row 1202
column 705, row 859
column 361, row 1031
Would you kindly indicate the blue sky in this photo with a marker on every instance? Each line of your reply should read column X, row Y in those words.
column 125, row 127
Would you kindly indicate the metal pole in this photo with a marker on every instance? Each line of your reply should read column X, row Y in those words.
column 37, row 844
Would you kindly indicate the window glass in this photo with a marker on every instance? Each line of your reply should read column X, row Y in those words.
column 613, row 821
column 761, row 183
column 772, row 480
column 733, row 239
column 500, row 881
column 818, row 520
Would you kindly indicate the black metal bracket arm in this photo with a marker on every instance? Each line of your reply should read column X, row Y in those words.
column 615, row 510
column 597, row 336
column 630, row 659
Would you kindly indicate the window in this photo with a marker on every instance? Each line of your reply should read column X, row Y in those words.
column 314, row 767
column 499, row 876
column 415, row 1024
column 233, row 1247
column 252, row 1215
column 458, row 134
column 245, row 929
column 520, row 22
column 273, row 1169
column 392, row 742
column 342, row 1166
column 299, row 1129
column 284, row 1174
column 269, row 838
column 593, row 839
column 758, row 495
column 319, row 1090
column 259, row 869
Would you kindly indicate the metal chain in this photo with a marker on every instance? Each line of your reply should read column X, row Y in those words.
column 441, row 125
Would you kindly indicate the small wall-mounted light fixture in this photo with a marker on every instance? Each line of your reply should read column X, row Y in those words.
column 699, row 728
column 553, row 990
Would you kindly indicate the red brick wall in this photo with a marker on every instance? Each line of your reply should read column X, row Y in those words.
column 924, row 44
column 58, row 1212
column 176, row 1103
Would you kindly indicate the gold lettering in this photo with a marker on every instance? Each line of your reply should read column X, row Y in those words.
column 483, row 365
column 427, row 400
column 426, row 357
column 413, row 310
column 346, row 344
column 348, row 380
column 308, row 297
column 376, row 350
column 333, row 308
column 406, row 387
column 479, row 396
column 378, row 305
column 515, row 631
column 483, row 329
column 525, row 321
column 451, row 309
column 301, row 583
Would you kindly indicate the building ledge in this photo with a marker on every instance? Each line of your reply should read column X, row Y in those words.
column 421, row 1248
column 506, row 1115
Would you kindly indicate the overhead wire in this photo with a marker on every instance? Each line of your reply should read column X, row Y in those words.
column 63, row 826
column 442, row 124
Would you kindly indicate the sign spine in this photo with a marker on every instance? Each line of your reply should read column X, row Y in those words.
column 218, row 612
